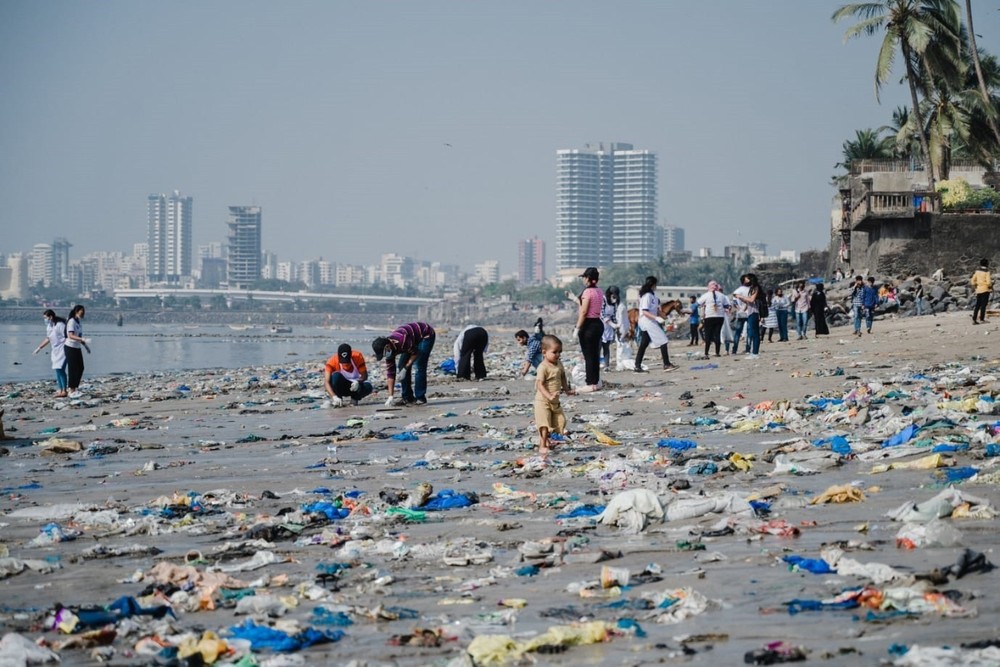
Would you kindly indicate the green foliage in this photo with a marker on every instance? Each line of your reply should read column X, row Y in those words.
column 956, row 194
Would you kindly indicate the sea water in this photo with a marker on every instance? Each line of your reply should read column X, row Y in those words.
column 138, row 349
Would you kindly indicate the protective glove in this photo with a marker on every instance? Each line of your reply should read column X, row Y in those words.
column 37, row 350
column 389, row 401
column 576, row 332
column 660, row 320
column 355, row 386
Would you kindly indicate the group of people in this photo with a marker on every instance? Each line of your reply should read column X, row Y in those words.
column 602, row 318
column 406, row 353
column 720, row 320
column 64, row 338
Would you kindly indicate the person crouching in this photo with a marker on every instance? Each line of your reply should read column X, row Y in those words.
column 346, row 376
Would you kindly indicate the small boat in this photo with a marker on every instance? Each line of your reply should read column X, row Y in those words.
column 281, row 328
column 241, row 327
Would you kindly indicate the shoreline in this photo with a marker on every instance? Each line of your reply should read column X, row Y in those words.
column 257, row 451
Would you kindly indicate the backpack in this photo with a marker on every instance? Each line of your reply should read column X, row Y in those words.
column 761, row 303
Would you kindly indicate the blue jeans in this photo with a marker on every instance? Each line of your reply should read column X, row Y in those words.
column 858, row 313
column 801, row 323
column 738, row 330
column 61, row 380
column 782, row 325
column 753, row 332
column 414, row 382
column 921, row 305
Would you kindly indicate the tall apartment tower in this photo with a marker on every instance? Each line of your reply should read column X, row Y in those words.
column 606, row 198
column 673, row 239
column 169, row 236
column 531, row 261
column 40, row 268
column 60, row 260
column 244, row 246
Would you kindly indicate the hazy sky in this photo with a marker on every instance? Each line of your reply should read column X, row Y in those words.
column 426, row 128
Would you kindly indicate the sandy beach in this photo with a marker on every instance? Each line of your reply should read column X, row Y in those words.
column 239, row 496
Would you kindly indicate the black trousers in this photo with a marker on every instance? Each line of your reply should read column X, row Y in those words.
column 473, row 345
column 342, row 387
column 713, row 334
column 74, row 366
column 590, row 345
column 982, row 300
column 644, row 342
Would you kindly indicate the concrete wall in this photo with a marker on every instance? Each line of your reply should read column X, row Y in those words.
column 921, row 245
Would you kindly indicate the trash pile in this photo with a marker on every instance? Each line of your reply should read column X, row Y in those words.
column 234, row 519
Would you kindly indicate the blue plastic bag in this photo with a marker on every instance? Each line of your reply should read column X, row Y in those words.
column 677, row 444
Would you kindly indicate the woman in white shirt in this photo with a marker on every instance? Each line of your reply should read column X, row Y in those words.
column 75, row 342
column 651, row 326
column 713, row 305
column 55, row 338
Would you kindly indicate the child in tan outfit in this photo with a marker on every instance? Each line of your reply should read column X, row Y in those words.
column 550, row 382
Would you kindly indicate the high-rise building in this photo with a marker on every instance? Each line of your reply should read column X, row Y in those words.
column 606, row 198
column 40, row 269
column 16, row 283
column 487, row 272
column 531, row 261
column 169, row 233
column 673, row 239
column 60, row 260
column 244, row 245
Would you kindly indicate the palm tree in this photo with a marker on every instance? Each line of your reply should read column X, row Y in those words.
column 901, row 130
column 867, row 145
column 957, row 120
column 974, row 53
column 910, row 26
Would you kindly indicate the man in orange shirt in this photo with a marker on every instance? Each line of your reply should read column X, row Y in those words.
column 346, row 376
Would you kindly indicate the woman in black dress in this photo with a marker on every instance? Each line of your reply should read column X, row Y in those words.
column 818, row 307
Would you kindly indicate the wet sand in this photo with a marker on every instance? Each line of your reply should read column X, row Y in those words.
column 158, row 441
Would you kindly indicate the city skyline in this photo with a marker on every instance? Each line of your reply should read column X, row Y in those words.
column 363, row 128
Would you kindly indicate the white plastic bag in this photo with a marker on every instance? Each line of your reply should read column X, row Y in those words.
column 625, row 357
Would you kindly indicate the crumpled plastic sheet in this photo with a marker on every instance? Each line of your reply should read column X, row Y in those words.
column 493, row 650
column 840, row 493
column 675, row 605
column 632, row 510
column 944, row 504
column 946, row 656
column 16, row 650
column 265, row 638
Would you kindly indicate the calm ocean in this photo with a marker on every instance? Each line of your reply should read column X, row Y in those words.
column 158, row 347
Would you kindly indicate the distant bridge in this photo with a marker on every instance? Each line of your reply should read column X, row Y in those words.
column 231, row 295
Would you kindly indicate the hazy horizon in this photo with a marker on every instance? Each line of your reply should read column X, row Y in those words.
column 427, row 129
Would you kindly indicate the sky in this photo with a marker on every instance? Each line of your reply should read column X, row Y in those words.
column 425, row 128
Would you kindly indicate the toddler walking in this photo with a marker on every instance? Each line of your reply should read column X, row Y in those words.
column 550, row 382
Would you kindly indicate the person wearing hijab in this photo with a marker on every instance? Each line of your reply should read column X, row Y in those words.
column 818, row 308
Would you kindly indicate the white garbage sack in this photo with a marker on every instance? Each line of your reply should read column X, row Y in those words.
column 632, row 510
